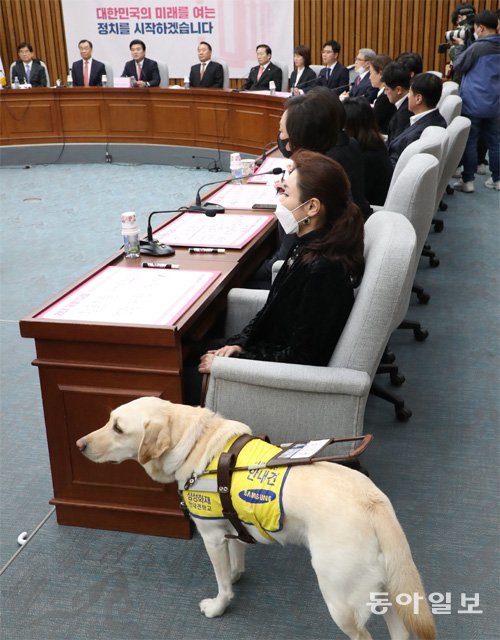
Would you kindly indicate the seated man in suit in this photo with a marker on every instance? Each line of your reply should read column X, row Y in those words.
column 260, row 76
column 208, row 73
column 334, row 75
column 397, row 84
column 362, row 86
column 27, row 69
column 144, row 71
column 423, row 97
column 87, row 72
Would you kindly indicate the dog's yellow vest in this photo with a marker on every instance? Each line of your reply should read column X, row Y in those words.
column 255, row 493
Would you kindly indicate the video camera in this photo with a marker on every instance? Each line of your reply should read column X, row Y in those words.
column 465, row 31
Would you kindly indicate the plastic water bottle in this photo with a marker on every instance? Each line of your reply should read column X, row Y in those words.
column 130, row 233
column 104, row 80
column 272, row 87
column 69, row 79
column 15, row 84
column 236, row 167
column 187, row 84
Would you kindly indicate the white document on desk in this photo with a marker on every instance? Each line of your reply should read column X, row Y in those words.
column 268, row 165
column 224, row 231
column 122, row 295
column 244, row 196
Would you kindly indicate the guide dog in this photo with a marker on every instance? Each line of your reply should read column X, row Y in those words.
column 356, row 543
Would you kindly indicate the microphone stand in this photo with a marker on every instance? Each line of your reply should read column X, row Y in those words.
column 152, row 247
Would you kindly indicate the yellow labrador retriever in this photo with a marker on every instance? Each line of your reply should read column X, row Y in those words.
column 356, row 543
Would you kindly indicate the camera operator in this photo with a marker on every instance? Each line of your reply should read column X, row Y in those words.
column 462, row 19
column 479, row 65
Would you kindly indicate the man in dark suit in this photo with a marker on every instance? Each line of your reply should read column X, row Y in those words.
column 397, row 84
column 208, row 73
column 260, row 76
column 334, row 75
column 423, row 97
column 87, row 72
column 27, row 69
column 144, row 71
column 362, row 86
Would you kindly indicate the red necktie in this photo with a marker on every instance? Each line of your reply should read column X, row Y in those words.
column 261, row 71
column 202, row 71
column 86, row 73
column 138, row 71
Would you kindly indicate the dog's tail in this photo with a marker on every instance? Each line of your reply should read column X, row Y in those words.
column 402, row 574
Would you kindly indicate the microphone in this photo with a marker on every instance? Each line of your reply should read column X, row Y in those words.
column 152, row 247
column 270, row 146
column 209, row 208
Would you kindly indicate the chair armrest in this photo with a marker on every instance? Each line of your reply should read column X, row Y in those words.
column 275, row 268
column 377, row 207
column 289, row 401
column 242, row 305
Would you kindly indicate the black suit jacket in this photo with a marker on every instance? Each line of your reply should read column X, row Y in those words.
column 413, row 132
column 307, row 79
column 383, row 111
column 97, row 70
column 272, row 72
column 364, row 88
column 399, row 122
column 213, row 76
column 149, row 71
column 339, row 78
column 38, row 77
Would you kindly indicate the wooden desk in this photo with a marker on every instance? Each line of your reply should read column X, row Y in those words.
column 213, row 118
column 87, row 369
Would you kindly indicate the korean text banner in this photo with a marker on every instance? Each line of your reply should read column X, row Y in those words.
column 172, row 31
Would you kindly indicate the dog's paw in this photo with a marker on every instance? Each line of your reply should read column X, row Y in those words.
column 235, row 576
column 213, row 607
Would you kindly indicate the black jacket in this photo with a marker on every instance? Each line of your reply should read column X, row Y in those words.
column 413, row 132
column 339, row 78
column 213, row 76
column 307, row 79
column 378, row 174
column 271, row 72
column 149, row 71
column 383, row 110
column 97, row 70
column 304, row 315
column 399, row 121
column 38, row 77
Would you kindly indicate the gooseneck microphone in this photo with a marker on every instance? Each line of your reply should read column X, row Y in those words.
column 209, row 208
column 268, row 148
column 152, row 247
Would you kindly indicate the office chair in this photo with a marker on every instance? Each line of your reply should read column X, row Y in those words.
column 450, row 88
column 294, row 401
column 164, row 74
column 110, row 76
column 284, row 74
column 225, row 68
column 450, row 108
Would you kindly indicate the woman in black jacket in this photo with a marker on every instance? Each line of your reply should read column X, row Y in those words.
column 361, row 125
column 302, row 76
column 312, row 296
column 382, row 108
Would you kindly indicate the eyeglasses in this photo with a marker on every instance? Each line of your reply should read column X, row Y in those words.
column 360, row 59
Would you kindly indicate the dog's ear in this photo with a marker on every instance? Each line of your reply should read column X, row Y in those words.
column 156, row 440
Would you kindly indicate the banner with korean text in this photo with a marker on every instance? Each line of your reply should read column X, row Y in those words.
column 172, row 30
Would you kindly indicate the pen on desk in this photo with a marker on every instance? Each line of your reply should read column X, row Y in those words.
column 205, row 250
column 155, row 265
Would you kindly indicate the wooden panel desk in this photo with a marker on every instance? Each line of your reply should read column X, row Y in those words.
column 87, row 369
column 213, row 118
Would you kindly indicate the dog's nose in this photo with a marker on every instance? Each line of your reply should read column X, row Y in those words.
column 81, row 444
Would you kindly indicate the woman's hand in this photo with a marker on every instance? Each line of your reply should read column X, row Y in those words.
column 224, row 352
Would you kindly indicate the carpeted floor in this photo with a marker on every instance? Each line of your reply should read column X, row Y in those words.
column 440, row 469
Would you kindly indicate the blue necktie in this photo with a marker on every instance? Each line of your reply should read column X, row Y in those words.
column 27, row 73
column 328, row 74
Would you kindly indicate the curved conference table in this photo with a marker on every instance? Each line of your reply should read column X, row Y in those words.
column 87, row 368
column 207, row 118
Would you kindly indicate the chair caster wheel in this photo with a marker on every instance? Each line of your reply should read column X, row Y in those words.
column 438, row 226
column 434, row 262
column 389, row 357
column 427, row 247
column 420, row 335
column 403, row 414
column 397, row 379
column 450, row 190
column 423, row 298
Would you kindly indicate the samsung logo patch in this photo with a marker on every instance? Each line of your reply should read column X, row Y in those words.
column 257, row 496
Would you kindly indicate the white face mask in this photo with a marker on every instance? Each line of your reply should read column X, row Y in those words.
column 360, row 70
column 287, row 219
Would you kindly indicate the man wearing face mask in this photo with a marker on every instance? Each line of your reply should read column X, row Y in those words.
column 362, row 86
column 312, row 296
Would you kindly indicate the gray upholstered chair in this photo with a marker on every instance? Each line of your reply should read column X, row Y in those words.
column 317, row 68
column 450, row 108
column 110, row 76
column 164, row 74
column 293, row 401
column 225, row 69
column 450, row 88
column 458, row 132
column 284, row 73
